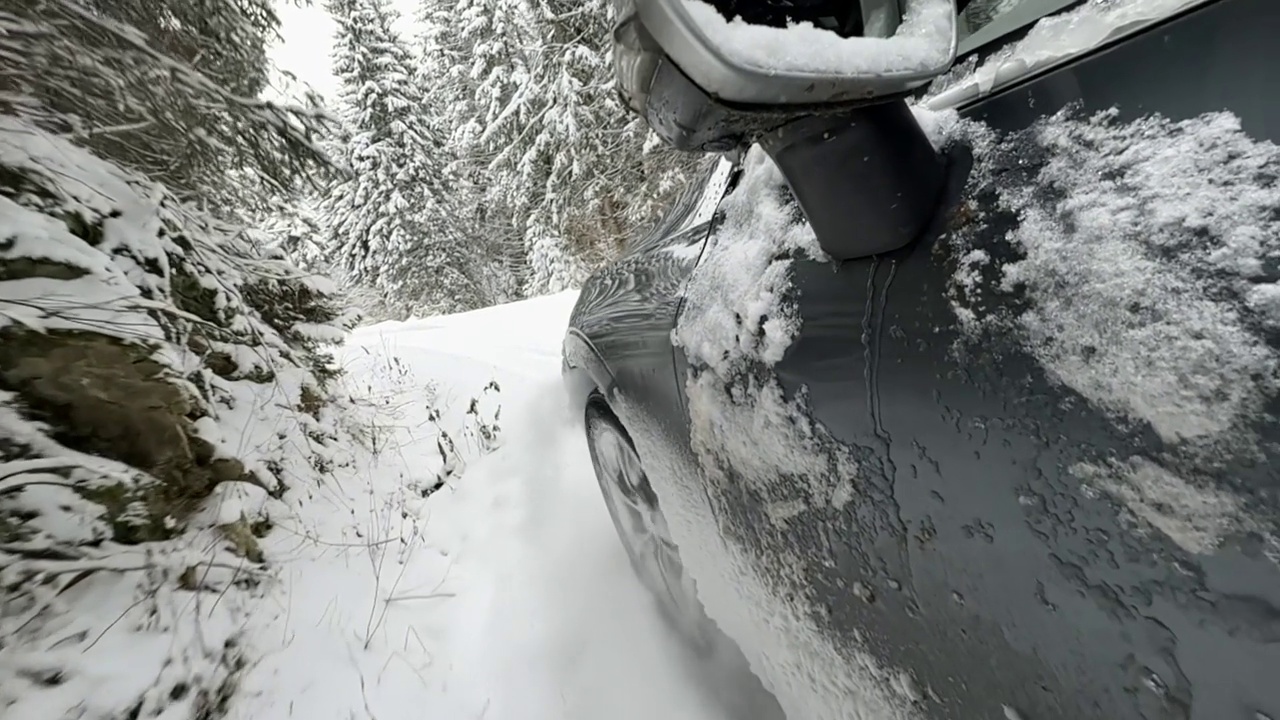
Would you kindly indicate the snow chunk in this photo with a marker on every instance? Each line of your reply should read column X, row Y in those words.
column 776, row 449
column 737, row 309
column 1195, row 518
column 1052, row 40
column 940, row 126
column 1142, row 243
column 232, row 502
column 1265, row 300
column 923, row 41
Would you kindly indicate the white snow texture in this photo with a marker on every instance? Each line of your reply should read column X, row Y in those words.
column 922, row 42
column 1144, row 249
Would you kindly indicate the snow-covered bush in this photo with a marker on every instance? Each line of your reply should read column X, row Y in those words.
column 163, row 367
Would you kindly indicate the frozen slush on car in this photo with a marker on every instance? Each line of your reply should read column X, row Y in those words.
column 953, row 389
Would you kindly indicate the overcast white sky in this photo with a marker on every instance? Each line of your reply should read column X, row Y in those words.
column 308, row 39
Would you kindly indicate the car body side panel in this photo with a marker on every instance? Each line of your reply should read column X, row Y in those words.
column 991, row 550
column 1004, row 578
column 626, row 313
column 620, row 329
column 986, row 558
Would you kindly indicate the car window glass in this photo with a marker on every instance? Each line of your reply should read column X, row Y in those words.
column 1008, row 41
column 984, row 21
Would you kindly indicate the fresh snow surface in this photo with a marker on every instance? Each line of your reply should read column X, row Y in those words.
column 924, row 40
column 503, row 595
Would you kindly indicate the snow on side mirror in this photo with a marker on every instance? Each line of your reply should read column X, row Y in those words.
column 712, row 74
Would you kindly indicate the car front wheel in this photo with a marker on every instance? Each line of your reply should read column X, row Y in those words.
column 641, row 525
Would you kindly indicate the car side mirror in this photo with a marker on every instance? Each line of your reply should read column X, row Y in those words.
column 711, row 73
column 819, row 84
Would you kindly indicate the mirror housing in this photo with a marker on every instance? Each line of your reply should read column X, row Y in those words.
column 706, row 82
column 820, row 85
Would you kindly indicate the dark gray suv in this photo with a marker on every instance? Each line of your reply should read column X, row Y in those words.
column 953, row 389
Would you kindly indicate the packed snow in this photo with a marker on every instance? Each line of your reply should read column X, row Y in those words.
column 1145, row 247
column 1196, row 518
column 736, row 311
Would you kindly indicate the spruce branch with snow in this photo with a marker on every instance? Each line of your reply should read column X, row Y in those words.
column 165, row 88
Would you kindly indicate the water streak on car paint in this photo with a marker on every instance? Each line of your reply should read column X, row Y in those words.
column 1011, row 714
column 870, row 348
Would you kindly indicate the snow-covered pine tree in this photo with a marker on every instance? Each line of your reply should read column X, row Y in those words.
column 473, row 67
column 390, row 219
column 527, row 88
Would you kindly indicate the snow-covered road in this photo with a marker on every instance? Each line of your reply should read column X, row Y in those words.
column 504, row 595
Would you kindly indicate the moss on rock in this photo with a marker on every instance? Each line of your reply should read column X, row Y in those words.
column 88, row 230
column 108, row 397
column 190, row 296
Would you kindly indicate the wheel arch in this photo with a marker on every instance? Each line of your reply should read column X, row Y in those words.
column 584, row 370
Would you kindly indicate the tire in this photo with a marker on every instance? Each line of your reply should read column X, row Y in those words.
column 642, row 528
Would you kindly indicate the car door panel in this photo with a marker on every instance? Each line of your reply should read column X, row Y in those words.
column 1219, row 56
column 1018, row 542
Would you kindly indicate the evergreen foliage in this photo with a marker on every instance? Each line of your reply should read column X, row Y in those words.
column 500, row 165
column 390, row 218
